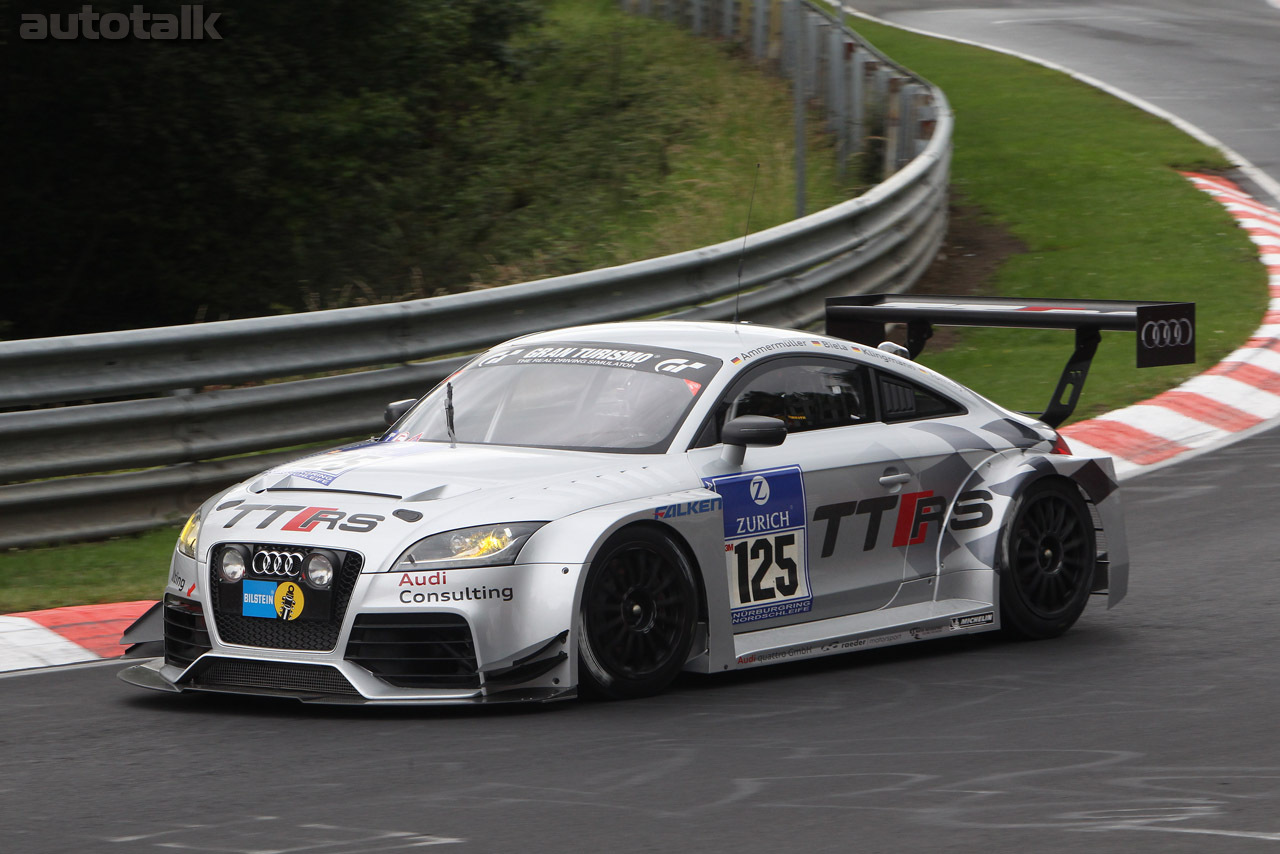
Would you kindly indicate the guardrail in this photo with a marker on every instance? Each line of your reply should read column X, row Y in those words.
column 190, row 440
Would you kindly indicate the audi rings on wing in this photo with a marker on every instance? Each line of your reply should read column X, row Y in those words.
column 594, row 510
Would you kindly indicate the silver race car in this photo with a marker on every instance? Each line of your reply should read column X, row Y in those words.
column 596, row 509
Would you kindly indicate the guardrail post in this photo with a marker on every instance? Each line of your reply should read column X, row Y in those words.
column 812, row 46
column 697, row 9
column 839, row 102
column 926, row 122
column 759, row 28
column 728, row 17
column 857, row 98
column 892, row 123
column 906, row 124
column 799, row 91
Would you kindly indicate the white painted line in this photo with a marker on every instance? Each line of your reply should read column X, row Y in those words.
column 1262, row 179
column 25, row 643
column 1029, row 20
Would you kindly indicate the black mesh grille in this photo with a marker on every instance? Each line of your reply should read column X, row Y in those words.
column 186, row 636
column 273, row 676
column 415, row 650
column 319, row 635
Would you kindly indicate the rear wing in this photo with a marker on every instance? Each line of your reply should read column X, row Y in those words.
column 1166, row 330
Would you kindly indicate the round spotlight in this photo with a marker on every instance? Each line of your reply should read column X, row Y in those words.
column 319, row 568
column 231, row 564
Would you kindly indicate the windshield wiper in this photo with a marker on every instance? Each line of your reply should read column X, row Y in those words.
column 448, row 414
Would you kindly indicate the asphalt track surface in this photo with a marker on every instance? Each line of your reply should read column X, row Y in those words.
column 1151, row 727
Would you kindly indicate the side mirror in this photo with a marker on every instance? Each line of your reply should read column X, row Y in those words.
column 395, row 411
column 758, row 430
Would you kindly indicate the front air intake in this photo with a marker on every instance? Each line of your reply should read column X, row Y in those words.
column 415, row 650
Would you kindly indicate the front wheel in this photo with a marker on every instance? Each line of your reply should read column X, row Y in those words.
column 639, row 609
column 1047, row 561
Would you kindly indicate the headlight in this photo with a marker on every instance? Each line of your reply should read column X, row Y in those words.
column 190, row 535
column 486, row 545
column 232, row 563
column 319, row 568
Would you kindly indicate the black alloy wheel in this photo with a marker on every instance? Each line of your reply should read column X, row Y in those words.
column 1048, row 559
column 639, row 609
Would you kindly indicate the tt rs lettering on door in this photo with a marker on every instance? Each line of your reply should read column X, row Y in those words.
column 906, row 520
column 764, row 543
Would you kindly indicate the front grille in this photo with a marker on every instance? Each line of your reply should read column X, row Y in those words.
column 186, row 636
column 315, row 635
column 415, row 650
column 273, row 676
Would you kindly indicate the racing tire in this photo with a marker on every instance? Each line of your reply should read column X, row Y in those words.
column 1047, row 561
column 637, row 617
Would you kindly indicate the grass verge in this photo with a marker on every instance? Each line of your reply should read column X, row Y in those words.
column 1087, row 183
column 117, row 570
column 1090, row 185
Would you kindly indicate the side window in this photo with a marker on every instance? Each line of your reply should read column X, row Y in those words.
column 804, row 396
column 901, row 400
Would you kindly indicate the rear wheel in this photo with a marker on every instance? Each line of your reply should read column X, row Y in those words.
column 639, row 609
column 1048, row 559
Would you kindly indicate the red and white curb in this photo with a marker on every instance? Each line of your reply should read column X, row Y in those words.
column 1241, row 392
column 65, row 635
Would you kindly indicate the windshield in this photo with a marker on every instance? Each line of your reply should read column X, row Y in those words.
column 586, row 396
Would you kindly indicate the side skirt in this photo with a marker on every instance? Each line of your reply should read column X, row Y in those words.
column 886, row 627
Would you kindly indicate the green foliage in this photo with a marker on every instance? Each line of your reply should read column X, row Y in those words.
column 314, row 144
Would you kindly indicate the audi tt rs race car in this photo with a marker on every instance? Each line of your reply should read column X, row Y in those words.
column 598, row 508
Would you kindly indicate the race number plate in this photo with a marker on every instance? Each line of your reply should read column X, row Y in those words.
column 764, row 543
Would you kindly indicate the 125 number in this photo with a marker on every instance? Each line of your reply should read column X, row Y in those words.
column 766, row 553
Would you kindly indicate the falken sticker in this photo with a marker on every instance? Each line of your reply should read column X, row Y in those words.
column 765, row 543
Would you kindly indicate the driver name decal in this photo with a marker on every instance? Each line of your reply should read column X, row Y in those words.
column 764, row 543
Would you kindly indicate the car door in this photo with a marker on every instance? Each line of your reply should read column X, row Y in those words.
column 811, row 525
column 946, row 453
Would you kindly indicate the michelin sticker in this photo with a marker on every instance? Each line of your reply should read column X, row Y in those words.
column 764, row 543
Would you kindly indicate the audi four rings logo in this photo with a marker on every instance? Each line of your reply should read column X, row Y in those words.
column 1167, row 333
column 277, row 563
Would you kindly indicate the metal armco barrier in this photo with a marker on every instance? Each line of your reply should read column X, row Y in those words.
column 166, row 441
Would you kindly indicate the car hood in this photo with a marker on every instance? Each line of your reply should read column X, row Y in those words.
column 388, row 494
column 424, row 471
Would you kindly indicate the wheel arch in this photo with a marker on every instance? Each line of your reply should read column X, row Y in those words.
column 576, row 540
column 1008, row 474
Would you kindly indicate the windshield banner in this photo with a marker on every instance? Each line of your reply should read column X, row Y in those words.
column 680, row 364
